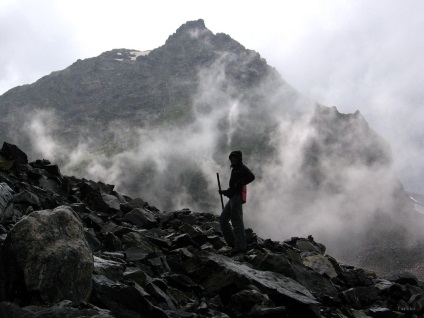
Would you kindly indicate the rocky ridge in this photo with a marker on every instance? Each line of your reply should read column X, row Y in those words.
column 73, row 247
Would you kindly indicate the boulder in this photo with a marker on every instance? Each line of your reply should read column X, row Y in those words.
column 13, row 153
column 47, row 259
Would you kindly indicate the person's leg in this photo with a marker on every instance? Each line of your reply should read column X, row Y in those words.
column 237, row 222
column 226, row 228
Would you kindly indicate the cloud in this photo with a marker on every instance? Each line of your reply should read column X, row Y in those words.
column 34, row 41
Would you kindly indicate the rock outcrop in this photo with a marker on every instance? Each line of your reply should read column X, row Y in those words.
column 77, row 248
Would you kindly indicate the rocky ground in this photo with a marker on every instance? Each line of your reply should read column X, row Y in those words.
column 76, row 248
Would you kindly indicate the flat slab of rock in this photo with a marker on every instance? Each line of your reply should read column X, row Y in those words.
column 218, row 272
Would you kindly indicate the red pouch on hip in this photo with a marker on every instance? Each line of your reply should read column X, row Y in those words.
column 244, row 194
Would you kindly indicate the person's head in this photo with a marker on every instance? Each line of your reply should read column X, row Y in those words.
column 236, row 157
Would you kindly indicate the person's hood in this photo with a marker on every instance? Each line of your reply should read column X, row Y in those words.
column 237, row 154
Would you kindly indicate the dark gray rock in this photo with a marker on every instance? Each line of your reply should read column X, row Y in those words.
column 158, row 265
column 382, row 312
column 43, row 249
column 404, row 278
column 159, row 291
column 111, row 242
column 361, row 297
column 11, row 310
column 110, row 269
column 13, row 153
column 92, row 240
column 137, row 275
column 124, row 300
column 306, row 245
column 415, row 304
column 160, row 242
column 112, row 202
column 139, row 241
column 137, row 203
column 67, row 309
column 220, row 274
column 6, row 196
column 11, row 214
column 93, row 221
column 321, row 264
column 241, row 303
column 53, row 170
column 319, row 285
column 278, row 263
column 182, row 282
column 183, row 240
column 49, row 184
column 141, row 218
column 28, row 198
column 351, row 278
column 268, row 312
column 134, row 254
column 99, row 197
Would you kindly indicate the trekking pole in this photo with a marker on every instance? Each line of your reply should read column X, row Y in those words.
column 219, row 187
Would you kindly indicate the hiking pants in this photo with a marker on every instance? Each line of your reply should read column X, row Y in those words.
column 233, row 233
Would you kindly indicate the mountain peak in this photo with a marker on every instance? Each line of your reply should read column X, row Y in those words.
column 191, row 30
column 192, row 25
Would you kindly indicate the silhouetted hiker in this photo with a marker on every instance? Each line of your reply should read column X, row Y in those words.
column 240, row 176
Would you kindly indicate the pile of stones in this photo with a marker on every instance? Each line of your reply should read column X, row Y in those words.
column 73, row 248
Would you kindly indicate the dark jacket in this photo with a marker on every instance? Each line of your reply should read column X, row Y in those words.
column 240, row 176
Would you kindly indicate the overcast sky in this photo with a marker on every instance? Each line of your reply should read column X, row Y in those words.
column 358, row 54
